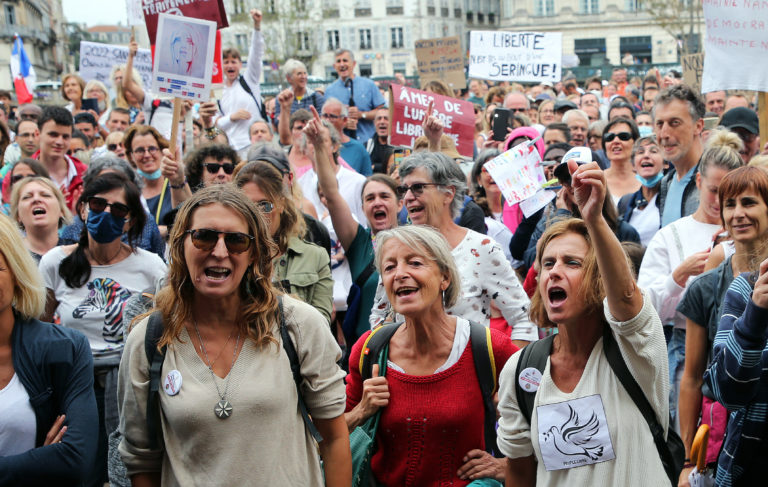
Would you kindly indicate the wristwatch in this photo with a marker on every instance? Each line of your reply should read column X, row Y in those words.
column 362, row 114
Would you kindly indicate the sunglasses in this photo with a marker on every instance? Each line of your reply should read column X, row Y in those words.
column 113, row 147
column 141, row 151
column 623, row 136
column 213, row 167
column 19, row 177
column 206, row 239
column 330, row 116
column 97, row 205
column 417, row 189
column 265, row 206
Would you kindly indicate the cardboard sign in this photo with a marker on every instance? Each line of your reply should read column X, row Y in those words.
column 517, row 172
column 96, row 61
column 735, row 43
column 516, row 56
column 212, row 10
column 134, row 12
column 408, row 108
column 183, row 62
column 693, row 65
column 441, row 59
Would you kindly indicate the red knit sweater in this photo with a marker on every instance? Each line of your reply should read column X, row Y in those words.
column 431, row 421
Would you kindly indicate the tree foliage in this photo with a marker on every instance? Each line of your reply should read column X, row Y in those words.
column 679, row 18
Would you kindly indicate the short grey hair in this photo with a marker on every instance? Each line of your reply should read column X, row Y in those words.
column 113, row 163
column 442, row 170
column 339, row 52
column 344, row 108
column 292, row 65
column 432, row 245
column 575, row 114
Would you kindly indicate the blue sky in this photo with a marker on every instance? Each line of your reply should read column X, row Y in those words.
column 93, row 12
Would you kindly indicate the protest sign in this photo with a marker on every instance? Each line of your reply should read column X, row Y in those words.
column 516, row 56
column 536, row 202
column 96, row 61
column 734, row 44
column 184, row 57
column 407, row 109
column 517, row 172
column 693, row 64
column 217, row 71
column 212, row 10
column 134, row 12
column 441, row 59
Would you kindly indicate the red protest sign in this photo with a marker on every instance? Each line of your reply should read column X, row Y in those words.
column 212, row 10
column 408, row 107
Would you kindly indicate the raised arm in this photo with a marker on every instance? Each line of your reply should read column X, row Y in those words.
column 624, row 297
column 255, row 54
column 341, row 215
column 285, row 101
column 129, row 85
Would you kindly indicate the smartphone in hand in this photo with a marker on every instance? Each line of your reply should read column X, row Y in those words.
column 499, row 123
column 91, row 104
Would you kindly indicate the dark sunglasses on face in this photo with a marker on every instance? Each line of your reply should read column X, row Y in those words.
column 118, row 210
column 141, row 151
column 213, row 167
column 416, row 188
column 206, row 239
column 19, row 177
column 623, row 136
column 113, row 147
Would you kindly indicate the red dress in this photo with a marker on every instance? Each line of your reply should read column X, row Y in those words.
column 431, row 421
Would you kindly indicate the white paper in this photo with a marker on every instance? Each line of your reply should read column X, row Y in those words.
column 134, row 12
column 574, row 433
column 537, row 202
column 96, row 61
column 517, row 172
column 735, row 43
column 184, row 57
column 516, row 56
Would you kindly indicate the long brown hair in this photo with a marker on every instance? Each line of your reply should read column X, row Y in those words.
column 259, row 308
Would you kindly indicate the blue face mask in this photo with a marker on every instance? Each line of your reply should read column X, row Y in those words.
column 650, row 183
column 103, row 227
column 645, row 131
column 150, row 175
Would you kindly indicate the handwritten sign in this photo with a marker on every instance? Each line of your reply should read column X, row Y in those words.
column 734, row 45
column 184, row 57
column 537, row 201
column 693, row 64
column 441, row 59
column 515, row 56
column 96, row 61
column 517, row 172
column 212, row 10
column 134, row 13
column 408, row 107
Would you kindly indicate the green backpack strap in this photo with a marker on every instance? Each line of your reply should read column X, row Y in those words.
column 485, row 368
column 372, row 348
column 534, row 355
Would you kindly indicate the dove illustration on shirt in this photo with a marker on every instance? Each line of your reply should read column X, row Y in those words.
column 573, row 438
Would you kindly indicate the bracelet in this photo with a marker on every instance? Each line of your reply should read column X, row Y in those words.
column 178, row 186
column 211, row 132
column 688, row 465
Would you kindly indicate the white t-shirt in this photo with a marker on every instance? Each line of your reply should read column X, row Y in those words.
column 18, row 424
column 350, row 186
column 646, row 221
column 96, row 309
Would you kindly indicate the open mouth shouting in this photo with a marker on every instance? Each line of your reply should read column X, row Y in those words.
column 557, row 296
column 416, row 212
column 39, row 210
column 217, row 273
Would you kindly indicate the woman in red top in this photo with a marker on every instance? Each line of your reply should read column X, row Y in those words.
column 431, row 427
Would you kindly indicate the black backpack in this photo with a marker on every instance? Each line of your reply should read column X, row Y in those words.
column 259, row 103
column 485, row 368
column 671, row 451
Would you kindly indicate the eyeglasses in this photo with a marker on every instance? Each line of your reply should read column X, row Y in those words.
column 417, row 189
column 141, row 151
column 206, row 239
column 623, row 136
column 331, row 116
column 213, row 167
column 265, row 206
column 113, row 147
column 118, row 210
column 518, row 110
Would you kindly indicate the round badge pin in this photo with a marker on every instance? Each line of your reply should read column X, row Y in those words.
column 529, row 379
column 172, row 383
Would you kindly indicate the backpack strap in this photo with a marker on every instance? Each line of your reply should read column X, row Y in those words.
column 373, row 345
column 293, row 357
column 485, row 368
column 532, row 355
column 365, row 275
column 155, row 358
column 259, row 105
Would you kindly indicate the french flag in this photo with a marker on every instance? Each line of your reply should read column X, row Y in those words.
column 23, row 72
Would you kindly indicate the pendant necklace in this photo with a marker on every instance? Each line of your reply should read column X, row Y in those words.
column 223, row 408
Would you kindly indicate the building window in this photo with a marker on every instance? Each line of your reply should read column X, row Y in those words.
column 591, row 52
column 366, row 70
column 491, row 18
column 457, row 13
column 302, row 41
column 301, row 5
column 398, row 67
column 589, row 6
column 394, row 7
column 362, row 8
column 397, row 36
column 632, row 5
column 480, row 17
column 10, row 15
column 333, row 40
column 330, row 8
column 271, row 7
column 365, row 38
column 238, row 6
column 639, row 47
column 545, row 8
column 469, row 17
column 242, row 41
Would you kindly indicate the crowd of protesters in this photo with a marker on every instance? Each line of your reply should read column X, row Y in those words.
column 231, row 311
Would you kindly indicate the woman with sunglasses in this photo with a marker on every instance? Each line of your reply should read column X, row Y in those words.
column 89, row 282
column 221, row 319
column 38, row 206
column 641, row 208
column 619, row 137
column 300, row 268
column 210, row 164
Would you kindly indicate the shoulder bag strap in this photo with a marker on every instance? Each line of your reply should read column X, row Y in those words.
column 248, row 90
column 485, row 368
column 155, row 358
column 374, row 344
column 532, row 355
column 365, row 275
column 290, row 350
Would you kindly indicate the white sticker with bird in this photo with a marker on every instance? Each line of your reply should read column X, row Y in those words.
column 574, row 433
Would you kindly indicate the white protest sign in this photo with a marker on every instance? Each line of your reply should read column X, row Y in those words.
column 134, row 12
column 517, row 172
column 96, row 61
column 537, row 202
column 735, row 41
column 184, row 57
column 515, row 56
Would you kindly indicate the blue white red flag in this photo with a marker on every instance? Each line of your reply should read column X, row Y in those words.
column 23, row 72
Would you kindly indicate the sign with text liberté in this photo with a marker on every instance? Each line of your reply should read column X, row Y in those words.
column 408, row 106
column 515, row 56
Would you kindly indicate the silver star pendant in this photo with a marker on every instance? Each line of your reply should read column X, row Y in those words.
column 223, row 409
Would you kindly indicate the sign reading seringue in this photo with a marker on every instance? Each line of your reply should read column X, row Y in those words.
column 517, row 172
column 408, row 107
column 97, row 60
column 735, row 39
column 515, row 56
